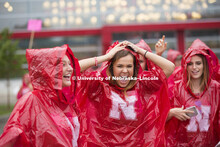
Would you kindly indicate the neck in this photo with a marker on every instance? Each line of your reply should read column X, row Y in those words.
column 196, row 86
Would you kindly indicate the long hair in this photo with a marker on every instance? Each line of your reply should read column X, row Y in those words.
column 205, row 74
column 116, row 57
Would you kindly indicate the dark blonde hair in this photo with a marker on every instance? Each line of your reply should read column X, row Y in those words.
column 205, row 74
column 116, row 57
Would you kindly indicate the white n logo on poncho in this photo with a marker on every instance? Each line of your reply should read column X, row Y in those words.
column 201, row 120
column 127, row 108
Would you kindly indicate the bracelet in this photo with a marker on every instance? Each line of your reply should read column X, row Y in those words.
column 96, row 61
column 145, row 54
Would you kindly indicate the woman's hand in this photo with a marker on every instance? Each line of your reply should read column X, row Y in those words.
column 180, row 113
column 133, row 47
column 161, row 46
column 113, row 51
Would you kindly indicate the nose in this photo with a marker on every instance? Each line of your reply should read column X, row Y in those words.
column 70, row 68
column 125, row 70
column 194, row 65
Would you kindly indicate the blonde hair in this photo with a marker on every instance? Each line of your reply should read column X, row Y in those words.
column 116, row 57
column 205, row 75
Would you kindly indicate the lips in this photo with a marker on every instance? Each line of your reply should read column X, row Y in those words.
column 195, row 72
column 123, row 79
column 67, row 77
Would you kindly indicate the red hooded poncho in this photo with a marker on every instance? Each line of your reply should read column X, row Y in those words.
column 172, row 55
column 142, row 44
column 45, row 116
column 25, row 86
column 109, row 118
column 198, row 44
column 177, row 73
column 203, row 129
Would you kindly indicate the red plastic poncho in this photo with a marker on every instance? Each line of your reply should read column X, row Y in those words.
column 142, row 44
column 109, row 118
column 25, row 88
column 173, row 78
column 172, row 55
column 177, row 73
column 45, row 116
column 203, row 129
column 198, row 44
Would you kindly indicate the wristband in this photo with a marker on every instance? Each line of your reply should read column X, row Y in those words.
column 145, row 54
column 96, row 61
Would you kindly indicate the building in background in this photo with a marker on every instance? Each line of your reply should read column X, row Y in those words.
column 90, row 26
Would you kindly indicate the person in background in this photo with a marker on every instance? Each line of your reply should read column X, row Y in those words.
column 118, row 107
column 160, row 47
column 175, row 57
column 25, row 87
column 47, row 115
column 199, row 126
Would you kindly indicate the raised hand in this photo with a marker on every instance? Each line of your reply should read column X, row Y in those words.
column 117, row 48
column 161, row 46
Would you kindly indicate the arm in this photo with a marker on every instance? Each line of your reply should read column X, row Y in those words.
column 89, row 62
column 164, row 64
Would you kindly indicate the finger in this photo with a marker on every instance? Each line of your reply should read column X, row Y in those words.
column 181, row 118
column 189, row 111
column 122, row 43
column 118, row 45
column 186, row 117
column 163, row 37
column 165, row 45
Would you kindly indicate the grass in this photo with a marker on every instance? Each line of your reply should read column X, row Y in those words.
column 4, row 109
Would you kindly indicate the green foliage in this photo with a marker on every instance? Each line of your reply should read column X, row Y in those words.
column 4, row 109
column 10, row 62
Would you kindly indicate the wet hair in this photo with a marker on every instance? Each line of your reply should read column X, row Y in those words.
column 205, row 74
column 116, row 57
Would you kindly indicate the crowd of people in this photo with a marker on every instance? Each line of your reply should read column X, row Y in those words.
column 135, row 98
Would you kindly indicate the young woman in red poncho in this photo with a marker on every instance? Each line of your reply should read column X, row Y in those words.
column 46, row 116
column 200, row 126
column 25, row 87
column 118, row 105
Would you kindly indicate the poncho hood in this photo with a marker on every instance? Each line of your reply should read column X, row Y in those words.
column 46, row 70
column 198, row 47
column 215, row 62
column 142, row 44
column 172, row 55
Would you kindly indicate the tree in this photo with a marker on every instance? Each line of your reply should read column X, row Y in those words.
column 10, row 62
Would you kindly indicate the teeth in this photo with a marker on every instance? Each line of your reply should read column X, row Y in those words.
column 124, row 77
column 194, row 71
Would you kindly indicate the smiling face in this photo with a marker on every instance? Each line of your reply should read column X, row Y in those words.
column 67, row 71
column 123, row 69
column 195, row 67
